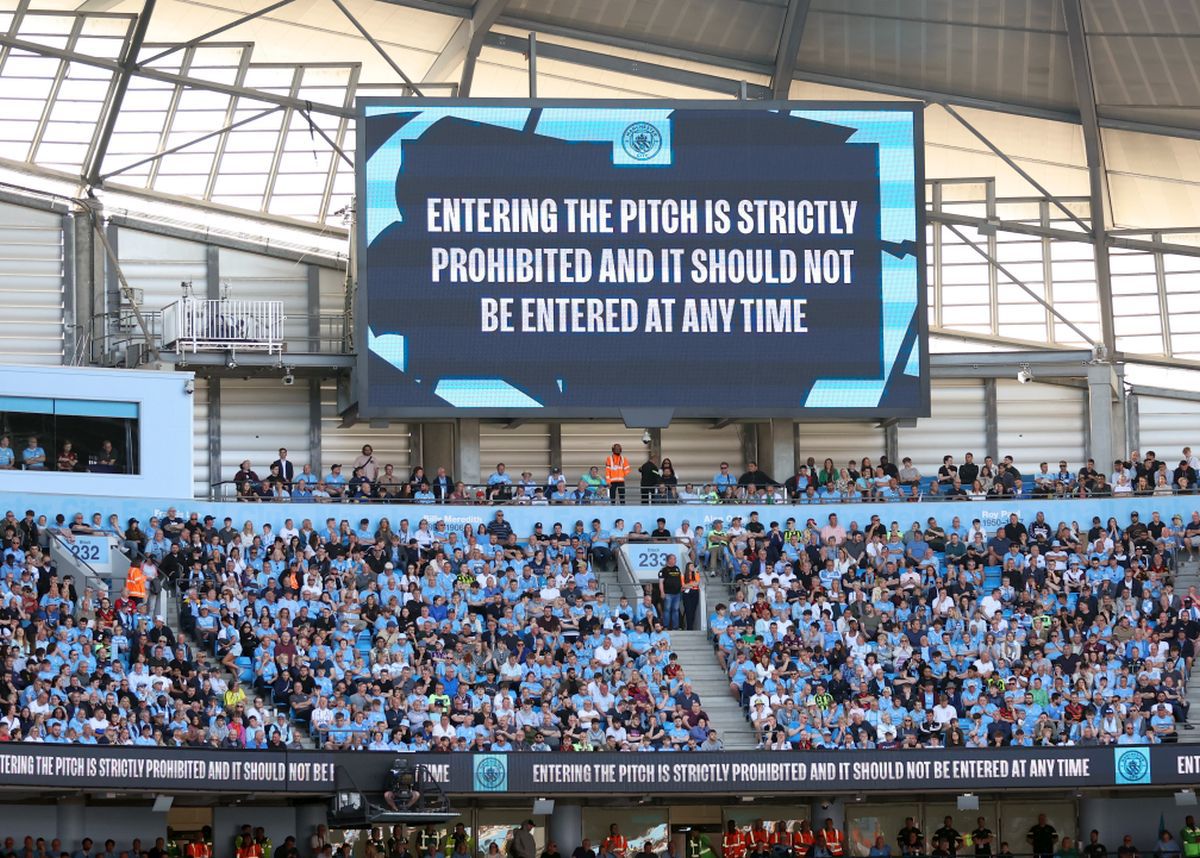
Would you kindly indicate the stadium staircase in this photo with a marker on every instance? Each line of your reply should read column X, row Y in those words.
column 700, row 666
column 698, row 659
column 1187, row 575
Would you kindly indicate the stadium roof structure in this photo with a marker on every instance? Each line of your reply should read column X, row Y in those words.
column 1062, row 136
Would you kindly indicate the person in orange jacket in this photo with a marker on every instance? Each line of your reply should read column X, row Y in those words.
column 733, row 845
column 615, row 843
column 135, row 584
column 832, row 840
column 616, row 471
column 781, row 839
column 803, row 838
column 197, row 848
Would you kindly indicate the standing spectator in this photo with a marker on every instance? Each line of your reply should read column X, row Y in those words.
column 33, row 457
column 650, row 477
column 616, row 472
column 366, row 461
column 691, row 596
column 1189, row 836
column 1042, row 838
column 523, row 845
column 286, row 469
column 670, row 588
column 1094, row 848
column 754, row 478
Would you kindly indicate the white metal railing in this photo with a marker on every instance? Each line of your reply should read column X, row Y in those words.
column 202, row 324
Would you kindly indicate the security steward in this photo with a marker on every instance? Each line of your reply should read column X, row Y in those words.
column 616, row 471
column 733, row 844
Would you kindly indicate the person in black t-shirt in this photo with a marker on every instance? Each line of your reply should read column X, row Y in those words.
column 670, row 587
column 1127, row 849
column 1042, row 837
column 1094, row 848
column 949, row 834
column 981, row 838
column 584, row 850
column 904, row 838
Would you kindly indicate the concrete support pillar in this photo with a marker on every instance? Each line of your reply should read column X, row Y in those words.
column 566, row 824
column 991, row 419
column 466, row 451
column 86, row 280
column 777, row 448
column 836, row 811
column 437, row 448
column 1101, row 388
column 1123, row 436
column 891, row 442
column 308, row 817
column 70, row 819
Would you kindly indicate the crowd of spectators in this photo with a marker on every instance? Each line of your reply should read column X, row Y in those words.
column 32, row 457
column 879, row 636
column 404, row 638
column 413, row 636
column 865, row 479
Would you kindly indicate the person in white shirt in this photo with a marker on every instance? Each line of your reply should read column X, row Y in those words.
column 606, row 653
column 991, row 603
column 944, row 714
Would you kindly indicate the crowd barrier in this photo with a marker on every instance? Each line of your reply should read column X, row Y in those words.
column 992, row 514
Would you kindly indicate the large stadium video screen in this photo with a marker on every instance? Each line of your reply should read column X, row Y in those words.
column 586, row 259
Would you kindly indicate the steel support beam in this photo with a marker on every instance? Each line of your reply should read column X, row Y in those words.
column 159, row 155
column 191, row 43
column 387, row 58
column 464, row 45
column 602, row 40
column 265, row 96
column 332, row 145
column 1136, row 390
column 116, row 94
column 623, row 65
column 1015, row 281
column 1025, row 228
column 999, row 153
column 788, row 50
column 1085, row 96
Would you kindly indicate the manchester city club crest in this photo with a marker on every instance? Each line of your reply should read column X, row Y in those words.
column 491, row 773
column 1133, row 765
column 641, row 141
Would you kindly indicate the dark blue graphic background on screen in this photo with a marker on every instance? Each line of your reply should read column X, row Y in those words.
column 713, row 155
